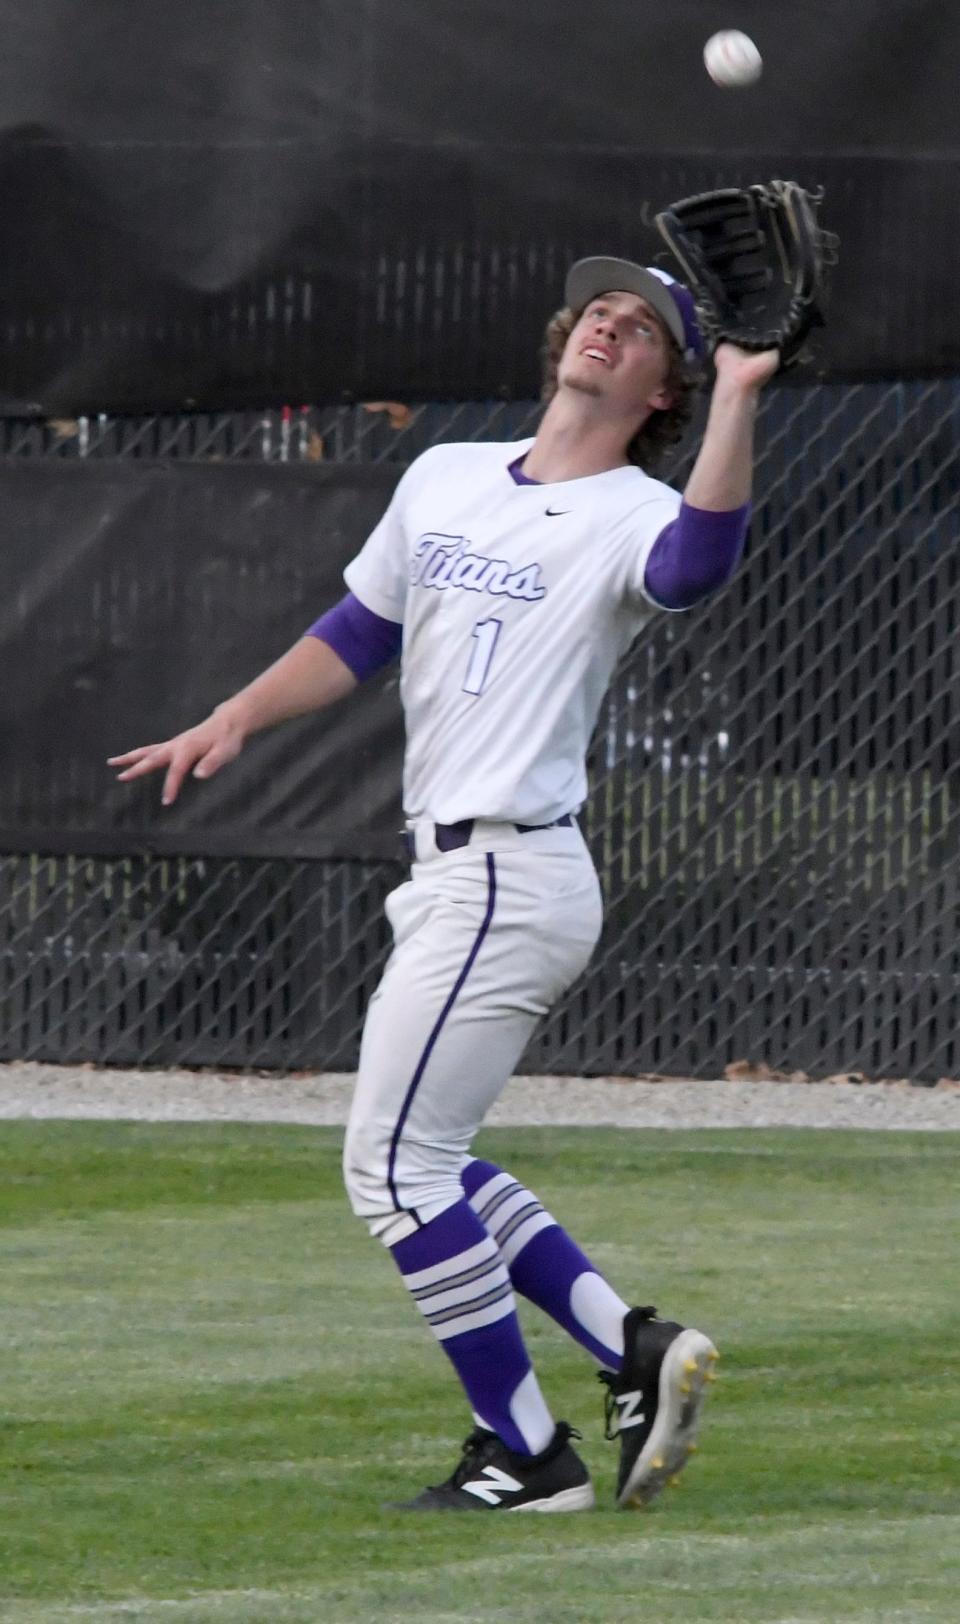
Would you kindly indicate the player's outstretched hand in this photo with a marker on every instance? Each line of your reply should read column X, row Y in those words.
column 203, row 749
column 750, row 369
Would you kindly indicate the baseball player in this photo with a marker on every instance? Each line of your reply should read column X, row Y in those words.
column 510, row 579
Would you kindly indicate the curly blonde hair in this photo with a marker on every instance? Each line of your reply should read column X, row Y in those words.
column 663, row 428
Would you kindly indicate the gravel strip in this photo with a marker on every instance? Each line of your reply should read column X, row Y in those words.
column 34, row 1090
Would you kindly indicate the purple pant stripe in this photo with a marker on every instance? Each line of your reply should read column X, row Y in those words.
column 438, row 1028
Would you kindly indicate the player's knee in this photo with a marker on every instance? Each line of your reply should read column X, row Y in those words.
column 396, row 1188
column 369, row 1156
column 365, row 1162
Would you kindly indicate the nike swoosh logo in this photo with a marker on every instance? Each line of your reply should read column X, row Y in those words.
column 555, row 513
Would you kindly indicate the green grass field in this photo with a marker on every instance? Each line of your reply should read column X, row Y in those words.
column 212, row 1380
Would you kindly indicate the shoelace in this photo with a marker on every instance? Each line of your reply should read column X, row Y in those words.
column 609, row 1403
column 479, row 1442
column 612, row 1381
column 474, row 1447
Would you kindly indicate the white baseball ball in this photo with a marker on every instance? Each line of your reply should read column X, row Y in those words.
column 731, row 58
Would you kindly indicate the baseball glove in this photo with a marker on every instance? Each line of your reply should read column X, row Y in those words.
column 754, row 259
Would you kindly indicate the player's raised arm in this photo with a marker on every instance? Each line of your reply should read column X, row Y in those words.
column 310, row 676
column 722, row 475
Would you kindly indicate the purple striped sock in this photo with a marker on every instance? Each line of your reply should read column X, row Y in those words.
column 455, row 1274
column 544, row 1264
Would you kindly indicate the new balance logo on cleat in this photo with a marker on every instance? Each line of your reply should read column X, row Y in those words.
column 493, row 1484
column 491, row 1477
column 628, row 1403
column 653, row 1404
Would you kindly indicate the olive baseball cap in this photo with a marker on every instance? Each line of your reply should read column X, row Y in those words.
column 672, row 301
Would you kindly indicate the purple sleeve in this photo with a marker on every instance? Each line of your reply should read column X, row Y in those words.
column 695, row 555
column 364, row 641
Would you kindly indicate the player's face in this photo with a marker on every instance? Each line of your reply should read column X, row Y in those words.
column 619, row 352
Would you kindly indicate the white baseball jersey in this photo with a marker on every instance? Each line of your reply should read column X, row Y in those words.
column 517, row 602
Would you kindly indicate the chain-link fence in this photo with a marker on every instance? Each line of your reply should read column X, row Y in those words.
column 774, row 812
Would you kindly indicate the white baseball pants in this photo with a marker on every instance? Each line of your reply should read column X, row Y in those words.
column 486, row 939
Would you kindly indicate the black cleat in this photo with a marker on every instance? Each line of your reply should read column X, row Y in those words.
column 653, row 1403
column 491, row 1477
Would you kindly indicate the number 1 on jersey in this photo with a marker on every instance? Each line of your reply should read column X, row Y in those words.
column 484, row 634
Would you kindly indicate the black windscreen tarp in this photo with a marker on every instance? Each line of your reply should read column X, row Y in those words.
column 238, row 203
column 137, row 598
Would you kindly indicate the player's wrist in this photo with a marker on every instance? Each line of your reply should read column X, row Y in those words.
column 236, row 715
